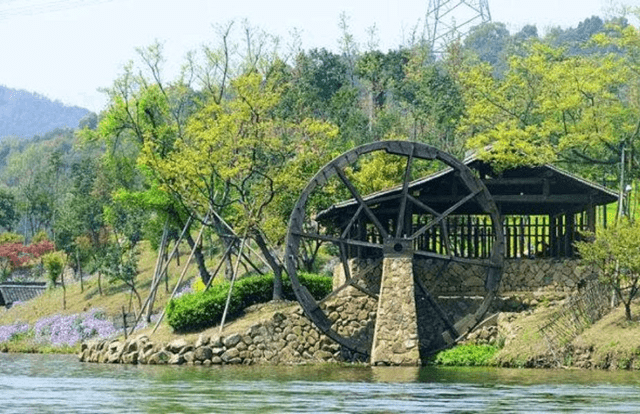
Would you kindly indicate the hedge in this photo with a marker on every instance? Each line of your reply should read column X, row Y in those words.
column 201, row 310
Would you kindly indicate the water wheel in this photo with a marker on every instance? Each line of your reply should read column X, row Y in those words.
column 390, row 224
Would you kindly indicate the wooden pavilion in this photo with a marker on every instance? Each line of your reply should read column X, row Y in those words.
column 544, row 210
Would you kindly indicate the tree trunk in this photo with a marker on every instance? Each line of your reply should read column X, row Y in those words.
column 202, row 268
column 273, row 263
column 204, row 274
column 627, row 310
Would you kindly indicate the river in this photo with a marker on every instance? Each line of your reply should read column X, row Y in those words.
column 58, row 383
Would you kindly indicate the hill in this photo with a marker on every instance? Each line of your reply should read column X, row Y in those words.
column 25, row 114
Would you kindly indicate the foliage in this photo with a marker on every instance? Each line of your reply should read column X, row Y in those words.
column 9, row 237
column 8, row 209
column 40, row 236
column 16, row 255
column 548, row 107
column 54, row 265
column 615, row 252
column 466, row 355
column 201, row 310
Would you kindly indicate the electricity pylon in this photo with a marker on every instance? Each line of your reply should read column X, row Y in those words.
column 448, row 20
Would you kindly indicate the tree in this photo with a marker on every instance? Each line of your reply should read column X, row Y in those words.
column 143, row 107
column 8, row 213
column 54, row 266
column 247, row 164
column 550, row 107
column 489, row 42
column 615, row 252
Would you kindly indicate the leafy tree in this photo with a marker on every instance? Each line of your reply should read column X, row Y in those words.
column 14, row 255
column 549, row 107
column 489, row 42
column 615, row 252
column 8, row 214
column 243, row 161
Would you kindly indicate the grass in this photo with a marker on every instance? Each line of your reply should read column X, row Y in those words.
column 613, row 339
column 114, row 297
column 526, row 342
column 467, row 356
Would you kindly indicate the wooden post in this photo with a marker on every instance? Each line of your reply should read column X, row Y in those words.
column 124, row 323
column 233, row 279
column 184, row 272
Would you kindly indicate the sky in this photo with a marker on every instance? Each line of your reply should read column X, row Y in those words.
column 67, row 50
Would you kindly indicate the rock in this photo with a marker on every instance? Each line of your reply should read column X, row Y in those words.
column 176, row 359
column 217, row 351
column 186, row 349
column 176, row 345
column 322, row 355
column 202, row 340
column 216, row 342
column 160, row 357
column 232, row 340
column 189, row 356
column 230, row 354
column 203, row 353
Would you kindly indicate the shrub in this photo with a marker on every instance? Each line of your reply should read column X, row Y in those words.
column 466, row 355
column 200, row 310
column 54, row 265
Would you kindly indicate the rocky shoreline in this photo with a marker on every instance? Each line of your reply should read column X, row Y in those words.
column 286, row 338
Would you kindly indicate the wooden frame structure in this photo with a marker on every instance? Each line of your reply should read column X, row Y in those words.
column 544, row 210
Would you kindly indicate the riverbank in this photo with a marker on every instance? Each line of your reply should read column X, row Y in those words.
column 278, row 333
column 610, row 343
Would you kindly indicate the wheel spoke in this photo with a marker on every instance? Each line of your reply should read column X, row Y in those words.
column 364, row 205
column 405, row 191
column 445, row 238
column 446, row 213
column 347, row 229
column 337, row 240
column 436, row 306
column 423, row 205
column 344, row 258
column 353, row 281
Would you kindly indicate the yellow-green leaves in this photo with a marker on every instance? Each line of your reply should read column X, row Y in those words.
column 241, row 158
column 548, row 105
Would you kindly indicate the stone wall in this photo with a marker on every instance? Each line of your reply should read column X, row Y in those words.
column 290, row 338
column 519, row 275
column 287, row 338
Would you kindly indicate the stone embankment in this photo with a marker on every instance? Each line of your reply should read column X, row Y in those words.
column 286, row 338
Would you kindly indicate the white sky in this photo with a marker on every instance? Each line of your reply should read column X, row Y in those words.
column 67, row 49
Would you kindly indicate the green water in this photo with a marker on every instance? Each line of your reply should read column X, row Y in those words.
column 52, row 384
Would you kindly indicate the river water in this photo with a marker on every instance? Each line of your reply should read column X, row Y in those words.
column 54, row 383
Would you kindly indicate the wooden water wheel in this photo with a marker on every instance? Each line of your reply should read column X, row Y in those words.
column 369, row 228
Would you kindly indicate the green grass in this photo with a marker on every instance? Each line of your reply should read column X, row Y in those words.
column 467, row 356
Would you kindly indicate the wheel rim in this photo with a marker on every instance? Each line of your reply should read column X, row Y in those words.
column 397, row 241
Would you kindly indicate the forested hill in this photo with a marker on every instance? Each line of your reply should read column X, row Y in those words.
column 25, row 114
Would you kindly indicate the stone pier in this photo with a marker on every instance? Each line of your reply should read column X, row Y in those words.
column 395, row 341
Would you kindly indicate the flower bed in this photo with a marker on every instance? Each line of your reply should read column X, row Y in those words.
column 62, row 330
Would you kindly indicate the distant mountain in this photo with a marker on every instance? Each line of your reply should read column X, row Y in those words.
column 25, row 114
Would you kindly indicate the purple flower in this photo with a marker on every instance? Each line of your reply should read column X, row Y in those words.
column 70, row 329
column 7, row 332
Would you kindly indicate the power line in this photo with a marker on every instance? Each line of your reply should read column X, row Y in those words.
column 16, row 8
